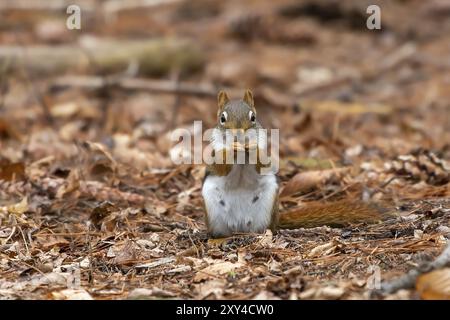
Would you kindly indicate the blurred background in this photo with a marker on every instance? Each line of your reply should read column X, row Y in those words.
column 136, row 69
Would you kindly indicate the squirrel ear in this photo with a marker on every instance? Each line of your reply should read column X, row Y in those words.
column 248, row 98
column 222, row 99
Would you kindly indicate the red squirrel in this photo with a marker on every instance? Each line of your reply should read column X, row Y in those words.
column 239, row 199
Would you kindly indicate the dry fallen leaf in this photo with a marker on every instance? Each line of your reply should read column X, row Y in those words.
column 50, row 242
column 305, row 181
column 9, row 130
column 101, row 212
column 126, row 254
column 72, row 185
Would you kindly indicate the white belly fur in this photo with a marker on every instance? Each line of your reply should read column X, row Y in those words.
column 242, row 201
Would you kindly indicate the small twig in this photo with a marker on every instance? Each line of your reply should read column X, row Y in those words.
column 4, row 81
column 176, row 104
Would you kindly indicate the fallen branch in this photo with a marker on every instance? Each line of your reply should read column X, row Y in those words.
column 153, row 57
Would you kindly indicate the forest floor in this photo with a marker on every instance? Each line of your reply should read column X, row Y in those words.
column 91, row 205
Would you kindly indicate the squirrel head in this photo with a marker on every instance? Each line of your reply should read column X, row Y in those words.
column 236, row 114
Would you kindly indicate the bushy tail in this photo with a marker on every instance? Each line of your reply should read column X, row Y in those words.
column 333, row 214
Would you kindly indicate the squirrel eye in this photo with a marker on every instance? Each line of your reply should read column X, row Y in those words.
column 252, row 116
column 223, row 117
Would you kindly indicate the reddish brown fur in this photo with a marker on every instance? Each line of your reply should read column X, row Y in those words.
column 333, row 214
